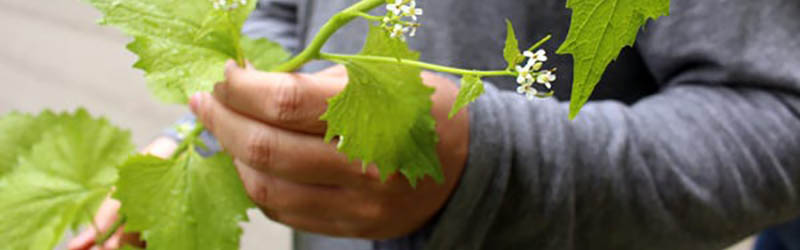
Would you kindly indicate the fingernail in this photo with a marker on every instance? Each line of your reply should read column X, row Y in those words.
column 195, row 101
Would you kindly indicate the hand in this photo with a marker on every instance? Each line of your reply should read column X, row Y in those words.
column 270, row 123
column 107, row 214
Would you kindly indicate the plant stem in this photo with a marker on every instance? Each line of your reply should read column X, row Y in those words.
column 368, row 16
column 190, row 139
column 237, row 42
column 325, row 33
column 424, row 65
column 540, row 42
column 107, row 234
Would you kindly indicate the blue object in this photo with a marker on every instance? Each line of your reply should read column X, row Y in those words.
column 781, row 237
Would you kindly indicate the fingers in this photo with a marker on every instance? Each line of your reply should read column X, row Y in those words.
column 290, row 155
column 337, row 71
column 104, row 219
column 83, row 241
column 161, row 147
column 290, row 101
column 328, row 210
column 276, row 194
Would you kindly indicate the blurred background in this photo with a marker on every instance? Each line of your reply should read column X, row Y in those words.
column 53, row 55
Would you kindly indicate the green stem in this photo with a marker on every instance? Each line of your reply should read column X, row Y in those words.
column 540, row 43
column 107, row 234
column 189, row 140
column 369, row 17
column 337, row 21
column 237, row 42
column 424, row 65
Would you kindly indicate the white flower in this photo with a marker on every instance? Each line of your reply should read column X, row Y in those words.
column 411, row 10
column 395, row 21
column 531, row 74
column 539, row 56
column 399, row 31
column 395, row 8
column 535, row 60
column 524, row 75
column 528, row 90
column 546, row 77
column 528, row 54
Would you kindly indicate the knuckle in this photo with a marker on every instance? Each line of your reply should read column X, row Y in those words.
column 265, row 195
column 259, row 149
column 259, row 193
column 277, row 201
column 286, row 100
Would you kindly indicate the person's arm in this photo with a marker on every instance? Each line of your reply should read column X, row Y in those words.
column 711, row 158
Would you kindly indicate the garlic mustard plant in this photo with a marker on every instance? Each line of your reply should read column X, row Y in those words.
column 531, row 74
column 182, row 48
column 396, row 19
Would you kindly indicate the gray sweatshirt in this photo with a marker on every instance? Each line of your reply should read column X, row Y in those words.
column 692, row 140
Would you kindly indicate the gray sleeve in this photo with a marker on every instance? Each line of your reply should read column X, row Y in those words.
column 711, row 158
column 276, row 20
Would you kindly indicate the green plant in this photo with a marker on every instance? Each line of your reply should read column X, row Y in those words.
column 56, row 168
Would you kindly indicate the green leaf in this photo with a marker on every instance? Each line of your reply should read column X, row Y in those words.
column 183, row 45
column 511, row 51
column 471, row 89
column 190, row 202
column 129, row 247
column 599, row 31
column 18, row 134
column 61, row 181
column 263, row 53
column 383, row 116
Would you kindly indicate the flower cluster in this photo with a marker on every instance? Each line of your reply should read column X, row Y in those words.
column 396, row 19
column 532, row 80
column 228, row 5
